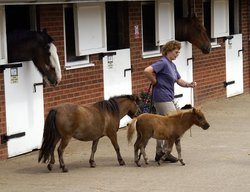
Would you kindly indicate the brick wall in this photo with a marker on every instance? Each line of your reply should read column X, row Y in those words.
column 245, row 35
column 139, row 82
column 80, row 86
column 209, row 71
column 3, row 147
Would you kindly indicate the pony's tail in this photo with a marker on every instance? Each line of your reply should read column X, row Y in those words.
column 131, row 129
column 50, row 134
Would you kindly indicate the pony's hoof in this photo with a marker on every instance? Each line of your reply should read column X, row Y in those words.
column 65, row 170
column 138, row 164
column 49, row 166
column 92, row 164
column 182, row 162
column 146, row 162
column 159, row 162
column 121, row 163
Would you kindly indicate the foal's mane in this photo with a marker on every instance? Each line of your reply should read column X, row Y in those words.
column 179, row 113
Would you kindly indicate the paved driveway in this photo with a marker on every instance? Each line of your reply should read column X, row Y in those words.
column 217, row 160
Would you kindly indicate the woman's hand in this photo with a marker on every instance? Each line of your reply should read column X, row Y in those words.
column 192, row 84
column 183, row 83
column 150, row 75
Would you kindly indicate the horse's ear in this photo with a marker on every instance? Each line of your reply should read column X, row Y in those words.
column 196, row 109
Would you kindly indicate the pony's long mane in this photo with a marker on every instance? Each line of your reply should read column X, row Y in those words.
column 112, row 106
column 130, row 97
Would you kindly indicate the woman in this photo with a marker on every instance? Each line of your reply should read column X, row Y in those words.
column 163, row 74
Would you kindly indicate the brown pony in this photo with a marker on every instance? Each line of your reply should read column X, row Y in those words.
column 191, row 29
column 85, row 123
column 170, row 127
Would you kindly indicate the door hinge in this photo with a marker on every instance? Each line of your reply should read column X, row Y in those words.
column 228, row 83
column 5, row 138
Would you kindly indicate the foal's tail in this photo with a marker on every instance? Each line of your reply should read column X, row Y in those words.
column 131, row 130
column 50, row 134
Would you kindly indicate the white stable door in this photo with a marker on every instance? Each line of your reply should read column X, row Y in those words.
column 24, row 108
column 117, row 76
column 234, row 65
column 184, row 64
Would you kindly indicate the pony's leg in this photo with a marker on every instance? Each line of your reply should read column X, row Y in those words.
column 61, row 148
column 143, row 151
column 142, row 148
column 136, row 149
column 94, row 147
column 113, row 139
column 52, row 159
column 178, row 149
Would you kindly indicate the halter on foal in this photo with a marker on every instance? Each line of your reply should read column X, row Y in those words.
column 38, row 47
column 191, row 29
column 85, row 123
column 170, row 127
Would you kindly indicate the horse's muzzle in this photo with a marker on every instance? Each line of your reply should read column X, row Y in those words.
column 205, row 126
column 206, row 49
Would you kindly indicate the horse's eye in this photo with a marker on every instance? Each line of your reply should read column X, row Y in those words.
column 200, row 117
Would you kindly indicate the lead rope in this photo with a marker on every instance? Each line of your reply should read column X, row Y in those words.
column 192, row 104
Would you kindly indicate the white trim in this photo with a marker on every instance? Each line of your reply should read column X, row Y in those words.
column 3, row 43
column 78, row 65
column 151, row 54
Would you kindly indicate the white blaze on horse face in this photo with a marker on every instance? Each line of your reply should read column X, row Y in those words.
column 55, row 61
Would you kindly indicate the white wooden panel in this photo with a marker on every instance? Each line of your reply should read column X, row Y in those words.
column 234, row 65
column 117, row 81
column 164, row 21
column 185, row 68
column 3, row 52
column 24, row 109
column 90, row 30
column 219, row 18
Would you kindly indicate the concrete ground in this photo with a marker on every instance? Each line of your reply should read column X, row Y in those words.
column 216, row 160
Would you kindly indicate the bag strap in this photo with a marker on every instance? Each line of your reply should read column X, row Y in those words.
column 150, row 96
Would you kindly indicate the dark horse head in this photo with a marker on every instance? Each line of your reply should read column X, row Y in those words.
column 191, row 29
column 38, row 47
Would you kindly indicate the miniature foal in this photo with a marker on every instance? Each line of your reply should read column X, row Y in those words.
column 170, row 127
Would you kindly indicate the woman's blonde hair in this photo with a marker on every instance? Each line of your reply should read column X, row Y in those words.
column 170, row 46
